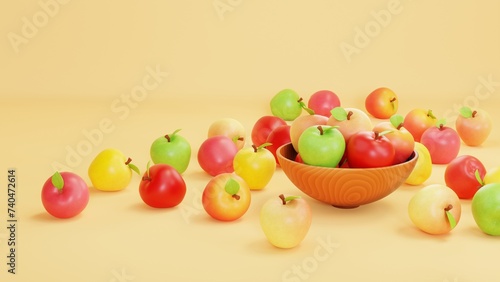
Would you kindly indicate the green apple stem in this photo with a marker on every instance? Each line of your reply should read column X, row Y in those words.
column 430, row 114
column 303, row 105
column 450, row 216
column 285, row 200
column 58, row 181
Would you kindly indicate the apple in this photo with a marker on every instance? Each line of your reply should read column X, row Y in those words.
column 321, row 146
column 485, row 208
column 162, row 186
column 464, row 175
column 263, row 127
column 323, row 101
column 285, row 221
column 492, row 175
column 435, row 209
column 287, row 105
column 368, row 149
column 423, row 168
column 65, row 195
column 171, row 149
column 229, row 127
column 302, row 123
column 382, row 103
column 110, row 170
column 442, row 142
column 216, row 155
column 401, row 139
column 349, row 121
column 256, row 165
column 226, row 197
column 473, row 127
column 278, row 137
column 417, row 121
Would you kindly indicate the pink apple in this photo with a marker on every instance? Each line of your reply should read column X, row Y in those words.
column 473, row 127
column 400, row 137
column 350, row 121
column 302, row 123
column 442, row 142
column 323, row 101
column 216, row 155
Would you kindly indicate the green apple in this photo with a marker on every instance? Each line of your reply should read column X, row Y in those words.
column 256, row 165
column 171, row 149
column 285, row 221
column 321, row 146
column 485, row 208
column 435, row 209
column 287, row 105
column 111, row 170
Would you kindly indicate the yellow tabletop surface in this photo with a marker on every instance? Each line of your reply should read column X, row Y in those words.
column 78, row 77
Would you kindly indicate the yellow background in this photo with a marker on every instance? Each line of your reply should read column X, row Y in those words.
column 72, row 73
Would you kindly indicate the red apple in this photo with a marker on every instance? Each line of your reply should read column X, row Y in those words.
column 323, row 101
column 400, row 137
column 465, row 175
column 473, row 127
column 369, row 149
column 350, row 121
column 382, row 103
column 302, row 123
column 442, row 142
column 278, row 137
column 417, row 121
column 263, row 127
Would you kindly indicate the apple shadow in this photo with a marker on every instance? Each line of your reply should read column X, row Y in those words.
column 46, row 217
column 414, row 232
column 263, row 247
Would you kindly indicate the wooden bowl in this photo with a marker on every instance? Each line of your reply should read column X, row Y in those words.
column 344, row 187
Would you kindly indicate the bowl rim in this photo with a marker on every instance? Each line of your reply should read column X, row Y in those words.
column 413, row 158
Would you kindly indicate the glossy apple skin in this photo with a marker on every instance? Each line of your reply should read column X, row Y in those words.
column 229, row 127
column 302, row 123
column 221, row 205
column 359, row 121
column 442, row 142
column 285, row 226
column 460, row 175
column 263, row 127
column 323, row 101
column 279, row 136
column 366, row 150
column 382, row 103
column 401, row 139
column 417, row 121
column 492, row 175
column 68, row 202
column 216, row 155
column 474, row 130
column 164, row 188
column 427, row 208
column 174, row 151
column 108, row 171
column 485, row 208
column 255, row 167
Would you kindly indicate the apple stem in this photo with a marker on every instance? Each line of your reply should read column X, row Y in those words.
column 282, row 197
column 299, row 100
column 393, row 99
column 449, row 207
column 254, row 148
column 236, row 196
column 146, row 178
column 168, row 137
column 320, row 128
column 128, row 161
column 349, row 114
column 474, row 113
column 399, row 126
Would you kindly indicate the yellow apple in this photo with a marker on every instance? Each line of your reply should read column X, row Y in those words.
column 492, row 176
column 423, row 168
